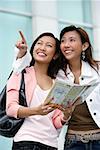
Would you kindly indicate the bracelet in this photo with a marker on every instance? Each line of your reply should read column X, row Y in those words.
column 65, row 121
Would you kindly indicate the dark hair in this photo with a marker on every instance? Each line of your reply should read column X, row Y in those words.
column 84, row 38
column 54, row 64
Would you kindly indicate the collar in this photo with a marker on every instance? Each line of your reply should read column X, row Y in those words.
column 86, row 70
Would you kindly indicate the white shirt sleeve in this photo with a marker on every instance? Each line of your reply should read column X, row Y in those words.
column 20, row 63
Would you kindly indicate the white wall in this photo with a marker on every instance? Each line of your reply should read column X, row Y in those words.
column 96, row 28
column 44, row 17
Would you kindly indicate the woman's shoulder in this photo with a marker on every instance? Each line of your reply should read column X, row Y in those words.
column 29, row 69
column 16, row 75
column 60, row 74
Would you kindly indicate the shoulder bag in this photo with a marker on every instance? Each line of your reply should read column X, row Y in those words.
column 10, row 125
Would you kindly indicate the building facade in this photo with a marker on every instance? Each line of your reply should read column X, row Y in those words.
column 36, row 16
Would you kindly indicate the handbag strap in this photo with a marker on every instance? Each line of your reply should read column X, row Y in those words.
column 22, row 85
column 22, row 95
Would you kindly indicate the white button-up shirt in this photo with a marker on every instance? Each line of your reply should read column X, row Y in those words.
column 88, row 76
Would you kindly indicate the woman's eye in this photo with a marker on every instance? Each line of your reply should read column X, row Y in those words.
column 62, row 41
column 49, row 45
column 39, row 43
column 72, row 40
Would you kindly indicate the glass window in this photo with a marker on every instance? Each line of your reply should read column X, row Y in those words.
column 70, row 10
column 16, row 5
column 9, row 27
column 87, row 13
column 77, row 12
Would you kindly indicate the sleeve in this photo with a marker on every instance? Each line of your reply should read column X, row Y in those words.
column 12, row 102
column 57, row 118
column 21, row 63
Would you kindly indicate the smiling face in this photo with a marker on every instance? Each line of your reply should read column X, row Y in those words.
column 44, row 49
column 71, row 45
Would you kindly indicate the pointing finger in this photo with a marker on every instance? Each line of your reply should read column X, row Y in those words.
column 22, row 36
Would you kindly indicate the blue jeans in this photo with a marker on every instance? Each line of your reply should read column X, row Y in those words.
column 79, row 145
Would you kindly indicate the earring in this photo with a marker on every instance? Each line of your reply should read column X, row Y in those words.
column 83, row 55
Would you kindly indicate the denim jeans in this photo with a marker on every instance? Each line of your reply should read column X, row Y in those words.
column 79, row 145
column 30, row 145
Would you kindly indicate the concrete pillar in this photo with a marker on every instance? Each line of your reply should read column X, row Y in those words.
column 44, row 18
column 96, row 29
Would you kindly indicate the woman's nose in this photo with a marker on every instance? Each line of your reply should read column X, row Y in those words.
column 66, row 44
column 42, row 47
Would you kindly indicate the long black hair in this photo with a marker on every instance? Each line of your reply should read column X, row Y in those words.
column 55, row 63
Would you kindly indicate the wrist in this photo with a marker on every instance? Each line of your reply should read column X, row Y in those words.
column 65, row 120
column 21, row 55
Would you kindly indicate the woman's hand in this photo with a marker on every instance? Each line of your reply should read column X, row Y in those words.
column 69, row 109
column 22, row 46
column 43, row 109
column 67, row 112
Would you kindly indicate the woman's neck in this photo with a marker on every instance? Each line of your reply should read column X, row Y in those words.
column 75, row 66
column 43, row 80
column 41, row 69
column 76, row 70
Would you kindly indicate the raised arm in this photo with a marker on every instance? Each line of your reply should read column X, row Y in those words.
column 22, row 46
column 22, row 55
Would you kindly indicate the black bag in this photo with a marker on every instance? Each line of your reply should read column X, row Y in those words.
column 10, row 125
